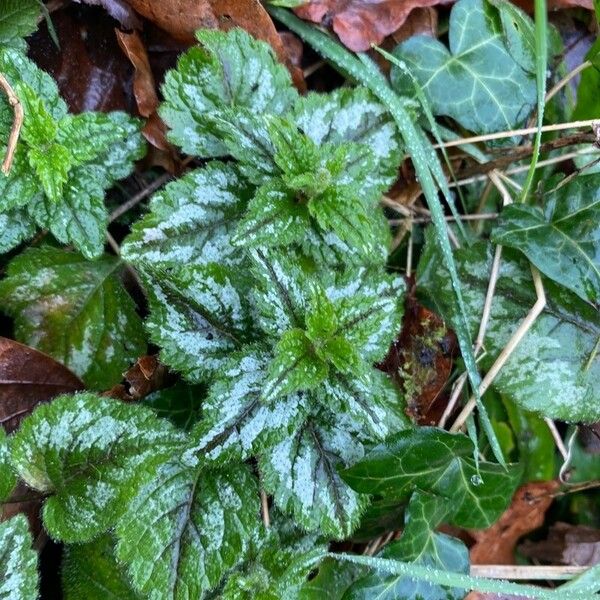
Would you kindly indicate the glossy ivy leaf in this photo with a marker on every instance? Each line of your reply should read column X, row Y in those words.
column 91, row 572
column 353, row 115
column 18, row 18
column 431, row 460
column 18, row 567
column 561, row 239
column 7, row 477
column 75, row 310
column 420, row 544
column 191, row 220
column 278, row 567
column 89, row 454
column 477, row 82
column 235, row 423
column 180, row 404
column 188, row 527
column 230, row 70
column 554, row 369
column 301, row 472
column 198, row 316
column 332, row 580
column 63, row 163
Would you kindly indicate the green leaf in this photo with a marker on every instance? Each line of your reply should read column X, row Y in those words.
column 7, row 476
column 562, row 239
column 331, row 581
column 198, row 316
column 187, row 528
column 301, row 472
column 180, row 404
column 553, row 370
column 231, row 70
column 75, row 310
column 235, row 423
column 89, row 454
column 588, row 103
column 436, row 462
column 294, row 367
column 18, row 567
column 478, row 82
column 91, row 572
column 191, row 221
column 15, row 227
column 18, row 18
column 420, row 544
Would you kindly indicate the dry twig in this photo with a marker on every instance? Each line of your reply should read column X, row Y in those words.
column 15, row 130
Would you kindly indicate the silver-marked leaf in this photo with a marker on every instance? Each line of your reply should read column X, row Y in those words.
column 18, row 561
column 301, row 472
column 191, row 220
column 478, row 82
column 235, row 423
column 91, row 572
column 75, row 310
column 198, row 316
column 554, row 369
column 231, row 70
column 186, row 528
column 563, row 239
column 16, row 226
column 89, row 454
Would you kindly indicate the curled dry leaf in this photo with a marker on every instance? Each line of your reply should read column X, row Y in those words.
column 566, row 545
column 28, row 377
column 146, row 376
column 420, row 361
column 360, row 23
column 496, row 544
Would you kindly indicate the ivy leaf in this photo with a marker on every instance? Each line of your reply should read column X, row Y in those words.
column 91, row 572
column 180, row 404
column 235, row 423
column 478, row 82
column 75, row 310
column 554, row 369
column 186, row 528
column 436, row 462
column 89, row 454
column 18, row 18
column 230, row 70
column 7, row 477
column 301, row 472
column 562, row 240
column 331, row 581
column 191, row 221
column 421, row 544
column 18, row 567
column 198, row 316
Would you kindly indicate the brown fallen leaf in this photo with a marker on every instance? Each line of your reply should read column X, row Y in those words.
column 146, row 376
column 496, row 544
column 567, row 545
column 360, row 23
column 181, row 18
column 28, row 377
column 420, row 361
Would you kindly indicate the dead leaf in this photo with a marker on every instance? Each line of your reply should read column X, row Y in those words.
column 420, row 361
column 496, row 544
column 360, row 23
column 181, row 18
column 567, row 545
column 118, row 10
column 146, row 376
column 28, row 377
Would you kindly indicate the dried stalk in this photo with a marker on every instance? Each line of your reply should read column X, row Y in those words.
column 15, row 130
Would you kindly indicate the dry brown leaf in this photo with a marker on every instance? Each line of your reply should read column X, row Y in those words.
column 28, row 377
column 496, row 544
column 146, row 376
column 360, row 23
column 567, row 545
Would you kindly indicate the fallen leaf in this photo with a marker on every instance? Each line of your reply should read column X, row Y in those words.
column 360, row 23
column 567, row 545
column 146, row 376
column 118, row 10
column 181, row 18
column 420, row 361
column 28, row 377
column 496, row 544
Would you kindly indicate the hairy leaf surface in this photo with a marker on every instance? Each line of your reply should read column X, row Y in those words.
column 18, row 567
